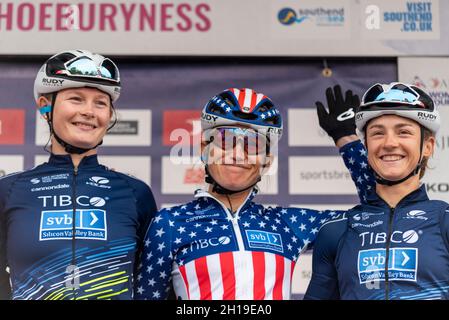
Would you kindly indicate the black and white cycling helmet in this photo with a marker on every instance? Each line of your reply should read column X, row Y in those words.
column 76, row 69
column 399, row 99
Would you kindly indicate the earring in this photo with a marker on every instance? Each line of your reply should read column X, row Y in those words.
column 45, row 109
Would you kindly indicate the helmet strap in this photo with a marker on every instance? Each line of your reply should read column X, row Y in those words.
column 216, row 187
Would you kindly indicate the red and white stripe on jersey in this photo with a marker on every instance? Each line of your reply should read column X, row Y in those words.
column 247, row 98
column 239, row 275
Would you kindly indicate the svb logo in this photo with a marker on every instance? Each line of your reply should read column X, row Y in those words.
column 263, row 239
column 58, row 224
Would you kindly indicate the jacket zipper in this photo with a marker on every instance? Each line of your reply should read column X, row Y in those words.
column 75, row 272
column 234, row 217
column 235, row 224
column 387, row 253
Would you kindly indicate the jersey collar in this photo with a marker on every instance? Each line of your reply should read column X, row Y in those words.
column 201, row 193
column 65, row 161
column 418, row 195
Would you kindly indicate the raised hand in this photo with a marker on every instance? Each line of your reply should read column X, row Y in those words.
column 339, row 121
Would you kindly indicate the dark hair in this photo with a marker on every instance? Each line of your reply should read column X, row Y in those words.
column 427, row 135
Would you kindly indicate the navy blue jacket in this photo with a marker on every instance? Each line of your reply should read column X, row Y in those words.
column 377, row 252
column 69, row 233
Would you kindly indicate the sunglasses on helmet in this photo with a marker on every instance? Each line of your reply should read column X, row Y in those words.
column 395, row 96
column 85, row 67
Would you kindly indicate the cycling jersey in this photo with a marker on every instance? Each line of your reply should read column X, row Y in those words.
column 377, row 252
column 71, row 233
column 207, row 252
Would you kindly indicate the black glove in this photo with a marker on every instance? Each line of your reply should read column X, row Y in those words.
column 340, row 121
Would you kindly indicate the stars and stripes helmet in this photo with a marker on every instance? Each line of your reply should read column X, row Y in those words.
column 76, row 69
column 245, row 107
column 399, row 99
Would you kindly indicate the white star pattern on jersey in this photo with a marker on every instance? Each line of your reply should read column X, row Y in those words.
column 250, row 255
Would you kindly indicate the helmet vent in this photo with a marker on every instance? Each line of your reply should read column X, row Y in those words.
column 213, row 108
column 243, row 115
column 272, row 120
column 227, row 97
column 266, row 106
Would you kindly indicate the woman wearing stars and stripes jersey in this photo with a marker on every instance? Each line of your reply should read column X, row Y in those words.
column 222, row 245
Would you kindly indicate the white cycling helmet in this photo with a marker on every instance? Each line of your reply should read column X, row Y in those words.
column 76, row 69
column 399, row 99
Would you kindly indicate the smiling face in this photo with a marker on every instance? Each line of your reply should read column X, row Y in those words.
column 230, row 163
column 81, row 117
column 393, row 144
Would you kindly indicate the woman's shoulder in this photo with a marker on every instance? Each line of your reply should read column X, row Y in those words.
column 8, row 179
column 429, row 203
column 439, row 205
column 189, row 208
column 129, row 178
